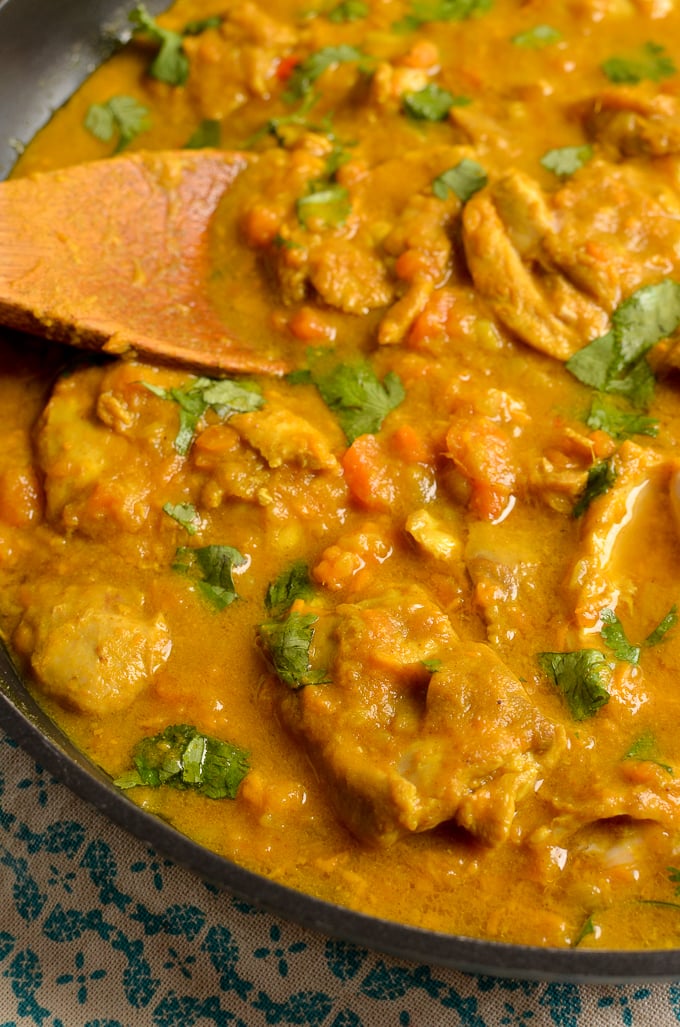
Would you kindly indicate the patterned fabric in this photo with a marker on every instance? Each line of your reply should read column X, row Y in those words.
column 98, row 930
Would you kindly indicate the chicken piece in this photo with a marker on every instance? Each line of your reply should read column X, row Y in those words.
column 416, row 728
column 595, row 578
column 505, row 228
column 630, row 122
column 283, row 437
column 434, row 537
column 93, row 648
column 349, row 276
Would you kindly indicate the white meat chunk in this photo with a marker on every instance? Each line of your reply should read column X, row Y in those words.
column 416, row 728
column 94, row 648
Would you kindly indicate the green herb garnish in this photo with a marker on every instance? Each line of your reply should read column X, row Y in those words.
column 306, row 73
column 580, row 677
column 347, row 10
column 601, row 477
column 650, row 62
column 222, row 395
column 185, row 514
column 537, row 37
column 293, row 583
column 170, row 64
column 329, row 204
column 211, row 568
column 464, row 180
column 614, row 635
column 181, row 757
column 604, row 415
column 206, row 135
column 587, row 928
column 287, row 643
column 566, row 160
column 424, row 11
column 431, row 103
column 357, row 397
column 432, row 665
column 120, row 115
column 616, row 362
column 644, row 750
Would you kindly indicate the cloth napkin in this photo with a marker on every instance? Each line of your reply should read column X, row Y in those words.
column 99, row 930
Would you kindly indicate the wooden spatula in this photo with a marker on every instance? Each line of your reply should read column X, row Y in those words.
column 112, row 256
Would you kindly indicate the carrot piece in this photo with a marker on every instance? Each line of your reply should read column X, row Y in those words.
column 410, row 446
column 367, row 474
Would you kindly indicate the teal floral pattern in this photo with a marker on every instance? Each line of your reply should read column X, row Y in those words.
column 99, row 930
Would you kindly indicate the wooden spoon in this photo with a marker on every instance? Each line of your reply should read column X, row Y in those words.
column 113, row 256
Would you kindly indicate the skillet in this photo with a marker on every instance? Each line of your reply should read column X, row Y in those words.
column 47, row 48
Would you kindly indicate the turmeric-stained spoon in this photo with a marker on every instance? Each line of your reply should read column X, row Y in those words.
column 113, row 256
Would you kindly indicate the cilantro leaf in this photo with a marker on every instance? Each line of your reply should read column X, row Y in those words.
column 644, row 749
column 614, row 635
column 566, row 160
column 587, row 928
column 465, row 179
column 650, row 62
column 206, row 135
column 287, row 644
column 357, row 398
column 536, row 37
column 432, row 665
column 122, row 115
column 331, row 205
column 185, row 514
column 579, row 676
column 211, row 568
column 222, row 395
column 601, row 477
column 674, row 878
column 663, row 627
column 308, row 71
column 615, row 362
column 431, row 103
column 170, row 64
column 293, row 583
column 181, row 757
column 620, row 424
column 347, row 10
column 424, row 11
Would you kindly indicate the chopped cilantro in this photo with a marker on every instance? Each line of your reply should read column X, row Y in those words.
column 211, row 568
column 424, row 11
column 465, row 179
column 182, row 757
column 306, row 73
column 620, row 424
column 293, row 583
column 121, row 115
column 615, row 362
column 357, row 398
column 329, row 204
column 579, row 676
column 432, row 665
column 614, row 635
column 587, row 928
column 170, row 64
column 663, row 627
column 650, row 62
column 185, row 514
column 601, row 477
column 347, row 10
column 287, row 643
column 431, row 103
column 674, row 878
column 536, row 37
column 206, row 135
column 566, row 160
column 644, row 749
column 222, row 395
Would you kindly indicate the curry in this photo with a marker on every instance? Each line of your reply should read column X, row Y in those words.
column 397, row 628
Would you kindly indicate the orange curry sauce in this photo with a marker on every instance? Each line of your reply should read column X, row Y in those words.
column 447, row 202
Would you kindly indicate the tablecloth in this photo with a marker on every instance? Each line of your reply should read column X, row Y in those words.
column 99, row 930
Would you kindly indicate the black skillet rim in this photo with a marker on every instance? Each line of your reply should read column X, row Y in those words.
column 47, row 48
